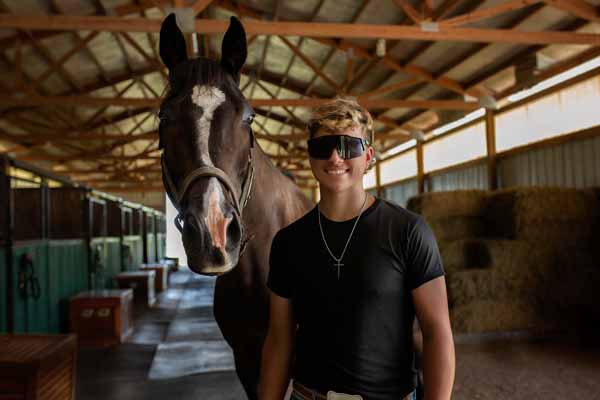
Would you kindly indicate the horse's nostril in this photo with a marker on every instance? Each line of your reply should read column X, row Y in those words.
column 234, row 231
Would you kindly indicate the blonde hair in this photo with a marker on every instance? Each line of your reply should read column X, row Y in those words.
column 342, row 114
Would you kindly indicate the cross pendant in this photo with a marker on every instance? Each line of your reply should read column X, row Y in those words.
column 338, row 264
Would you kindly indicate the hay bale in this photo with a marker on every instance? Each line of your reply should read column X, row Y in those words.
column 456, row 227
column 468, row 286
column 486, row 253
column 493, row 316
column 548, row 216
column 457, row 203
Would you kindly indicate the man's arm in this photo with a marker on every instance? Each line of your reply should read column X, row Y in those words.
column 277, row 350
column 431, row 307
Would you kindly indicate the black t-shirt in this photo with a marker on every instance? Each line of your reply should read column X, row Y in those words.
column 355, row 334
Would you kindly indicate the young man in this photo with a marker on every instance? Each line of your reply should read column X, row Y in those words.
column 346, row 282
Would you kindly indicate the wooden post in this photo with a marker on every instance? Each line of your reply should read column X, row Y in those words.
column 378, row 179
column 420, row 169
column 490, row 136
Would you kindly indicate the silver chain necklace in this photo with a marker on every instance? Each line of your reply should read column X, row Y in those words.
column 338, row 261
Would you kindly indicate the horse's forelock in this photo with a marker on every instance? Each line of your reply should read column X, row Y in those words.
column 199, row 71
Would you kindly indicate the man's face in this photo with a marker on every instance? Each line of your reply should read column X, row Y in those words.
column 337, row 174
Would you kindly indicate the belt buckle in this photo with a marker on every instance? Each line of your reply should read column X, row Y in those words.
column 331, row 395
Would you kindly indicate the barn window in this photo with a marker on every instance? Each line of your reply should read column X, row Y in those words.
column 569, row 110
column 463, row 145
column 399, row 167
column 369, row 180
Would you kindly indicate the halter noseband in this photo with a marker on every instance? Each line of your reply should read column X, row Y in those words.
column 211, row 172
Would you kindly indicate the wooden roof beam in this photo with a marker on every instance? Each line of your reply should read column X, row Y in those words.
column 409, row 11
column 88, row 101
column 312, row 29
column 579, row 8
column 200, row 5
column 310, row 64
column 487, row 12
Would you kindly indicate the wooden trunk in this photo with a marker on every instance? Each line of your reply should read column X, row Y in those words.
column 161, row 281
column 142, row 283
column 102, row 318
column 37, row 367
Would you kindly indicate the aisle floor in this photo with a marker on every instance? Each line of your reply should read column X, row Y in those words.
column 548, row 370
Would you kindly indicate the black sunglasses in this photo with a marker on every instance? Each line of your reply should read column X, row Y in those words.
column 347, row 146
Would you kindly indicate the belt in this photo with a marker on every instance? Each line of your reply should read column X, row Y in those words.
column 310, row 394
column 307, row 393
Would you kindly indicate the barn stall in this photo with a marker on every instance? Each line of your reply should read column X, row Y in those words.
column 486, row 124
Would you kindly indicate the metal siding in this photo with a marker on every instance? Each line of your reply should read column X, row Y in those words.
column 473, row 177
column 573, row 164
column 401, row 193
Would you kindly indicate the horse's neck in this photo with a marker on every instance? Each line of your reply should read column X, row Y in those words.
column 274, row 194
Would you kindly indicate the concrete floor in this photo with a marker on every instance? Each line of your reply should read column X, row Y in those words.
column 510, row 369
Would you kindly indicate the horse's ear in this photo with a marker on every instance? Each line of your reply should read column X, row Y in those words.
column 233, row 49
column 172, row 43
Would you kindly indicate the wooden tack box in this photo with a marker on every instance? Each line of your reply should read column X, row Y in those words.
column 37, row 367
column 142, row 283
column 161, row 281
column 102, row 318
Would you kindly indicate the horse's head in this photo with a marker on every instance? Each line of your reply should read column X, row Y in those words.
column 207, row 146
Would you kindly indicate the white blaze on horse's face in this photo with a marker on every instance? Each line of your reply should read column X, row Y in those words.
column 209, row 98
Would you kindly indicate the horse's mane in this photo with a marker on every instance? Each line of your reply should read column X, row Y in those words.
column 193, row 72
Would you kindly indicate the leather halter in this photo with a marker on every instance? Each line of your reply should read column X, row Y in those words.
column 177, row 195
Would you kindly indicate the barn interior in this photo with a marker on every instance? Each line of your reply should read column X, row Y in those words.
column 487, row 123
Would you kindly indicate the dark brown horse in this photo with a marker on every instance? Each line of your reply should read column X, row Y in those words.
column 231, row 199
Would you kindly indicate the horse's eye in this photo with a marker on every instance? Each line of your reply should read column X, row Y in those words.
column 249, row 119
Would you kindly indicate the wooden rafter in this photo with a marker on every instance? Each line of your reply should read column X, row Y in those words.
column 48, row 58
column 200, row 5
column 88, row 101
column 364, row 54
column 445, row 9
column 389, row 88
column 80, row 137
column 487, row 12
column 410, row 11
column 469, row 88
column 310, row 64
column 579, row 8
column 312, row 29
column 56, row 64
column 285, row 76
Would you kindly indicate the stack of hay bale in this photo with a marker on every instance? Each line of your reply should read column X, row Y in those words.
column 516, row 259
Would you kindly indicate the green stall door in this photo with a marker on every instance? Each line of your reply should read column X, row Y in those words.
column 151, row 248
column 133, row 252
column 68, row 275
column 113, row 259
column 31, row 310
column 161, row 245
